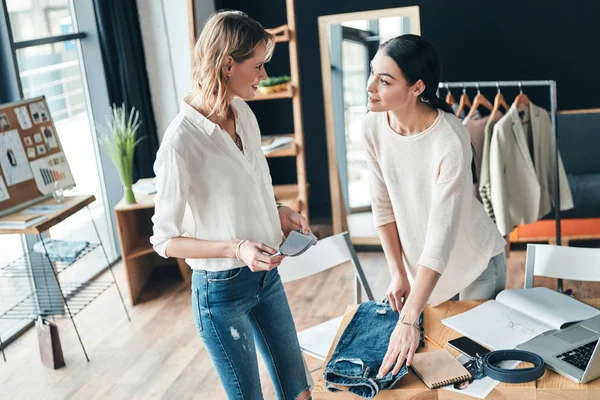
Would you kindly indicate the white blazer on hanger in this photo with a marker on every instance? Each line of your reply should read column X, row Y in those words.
column 522, row 188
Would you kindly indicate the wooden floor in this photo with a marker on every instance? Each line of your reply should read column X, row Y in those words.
column 159, row 355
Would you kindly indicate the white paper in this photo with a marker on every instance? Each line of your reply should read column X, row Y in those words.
column 38, row 138
column 44, row 209
column 480, row 388
column 50, row 171
column 3, row 191
column 13, row 159
column 496, row 326
column 145, row 187
column 23, row 117
column 23, row 225
column 39, row 112
column 30, row 153
column 552, row 308
column 278, row 142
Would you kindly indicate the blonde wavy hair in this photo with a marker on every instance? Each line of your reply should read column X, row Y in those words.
column 226, row 33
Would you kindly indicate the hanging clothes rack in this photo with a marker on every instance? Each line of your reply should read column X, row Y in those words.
column 551, row 84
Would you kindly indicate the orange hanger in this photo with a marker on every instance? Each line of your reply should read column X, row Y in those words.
column 521, row 98
column 464, row 101
column 449, row 97
column 479, row 100
column 498, row 101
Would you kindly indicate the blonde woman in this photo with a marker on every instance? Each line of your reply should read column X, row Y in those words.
column 215, row 207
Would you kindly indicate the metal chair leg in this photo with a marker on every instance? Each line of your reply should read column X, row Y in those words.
column 63, row 297
column 108, row 264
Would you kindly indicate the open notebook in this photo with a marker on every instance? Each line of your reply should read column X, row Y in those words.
column 438, row 368
column 519, row 315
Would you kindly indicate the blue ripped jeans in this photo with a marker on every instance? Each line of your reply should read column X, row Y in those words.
column 360, row 351
column 235, row 312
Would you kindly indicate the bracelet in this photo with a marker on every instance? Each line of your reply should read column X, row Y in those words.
column 414, row 324
column 237, row 249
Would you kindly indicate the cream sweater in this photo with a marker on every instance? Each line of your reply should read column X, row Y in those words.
column 424, row 184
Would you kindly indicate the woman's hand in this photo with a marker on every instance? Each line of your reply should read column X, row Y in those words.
column 398, row 291
column 403, row 344
column 258, row 256
column 292, row 221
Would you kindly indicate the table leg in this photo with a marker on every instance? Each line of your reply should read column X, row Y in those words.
column 108, row 264
column 63, row 297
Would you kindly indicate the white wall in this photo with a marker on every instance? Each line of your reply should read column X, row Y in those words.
column 164, row 26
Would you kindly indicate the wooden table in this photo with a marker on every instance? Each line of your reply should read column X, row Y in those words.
column 134, row 223
column 551, row 386
column 53, row 298
column 72, row 204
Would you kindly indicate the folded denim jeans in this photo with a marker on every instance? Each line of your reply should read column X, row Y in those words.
column 360, row 351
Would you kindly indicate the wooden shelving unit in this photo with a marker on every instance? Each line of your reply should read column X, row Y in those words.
column 295, row 195
column 288, row 94
column 282, row 33
column 134, row 224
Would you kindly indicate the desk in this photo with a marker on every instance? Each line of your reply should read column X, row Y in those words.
column 134, row 223
column 49, row 295
column 551, row 386
column 72, row 204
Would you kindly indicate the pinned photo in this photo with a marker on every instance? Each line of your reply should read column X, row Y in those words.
column 4, row 124
column 38, row 138
column 49, row 137
column 13, row 158
column 31, row 152
column 28, row 141
column 41, row 149
column 23, row 117
column 39, row 112
column 3, row 191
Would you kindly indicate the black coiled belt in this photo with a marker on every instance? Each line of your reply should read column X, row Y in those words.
column 487, row 366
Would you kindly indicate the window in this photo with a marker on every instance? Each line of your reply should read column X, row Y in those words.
column 46, row 45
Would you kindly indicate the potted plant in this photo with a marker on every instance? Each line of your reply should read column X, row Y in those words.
column 118, row 140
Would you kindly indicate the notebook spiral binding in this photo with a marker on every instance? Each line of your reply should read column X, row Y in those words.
column 451, row 381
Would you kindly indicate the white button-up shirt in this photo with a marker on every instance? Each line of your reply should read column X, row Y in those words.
column 208, row 189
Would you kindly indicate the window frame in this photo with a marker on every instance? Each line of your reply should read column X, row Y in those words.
column 97, row 99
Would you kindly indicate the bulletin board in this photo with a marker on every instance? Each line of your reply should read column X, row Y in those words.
column 32, row 161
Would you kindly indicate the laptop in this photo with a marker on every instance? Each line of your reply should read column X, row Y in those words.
column 572, row 352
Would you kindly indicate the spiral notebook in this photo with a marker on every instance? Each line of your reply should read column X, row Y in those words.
column 438, row 368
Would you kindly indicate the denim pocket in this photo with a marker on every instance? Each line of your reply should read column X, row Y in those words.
column 196, row 309
column 223, row 276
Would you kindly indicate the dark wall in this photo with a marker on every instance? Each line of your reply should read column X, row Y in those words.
column 476, row 40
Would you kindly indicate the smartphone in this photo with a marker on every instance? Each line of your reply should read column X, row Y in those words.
column 468, row 347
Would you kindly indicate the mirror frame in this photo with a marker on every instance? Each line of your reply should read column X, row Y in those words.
column 337, row 202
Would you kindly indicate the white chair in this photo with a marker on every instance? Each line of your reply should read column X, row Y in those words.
column 573, row 263
column 327, row 253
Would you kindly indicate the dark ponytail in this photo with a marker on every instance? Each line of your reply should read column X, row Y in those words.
column 417, row 59
column 435, row 102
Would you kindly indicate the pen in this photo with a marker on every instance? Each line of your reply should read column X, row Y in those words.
column 433, row 342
